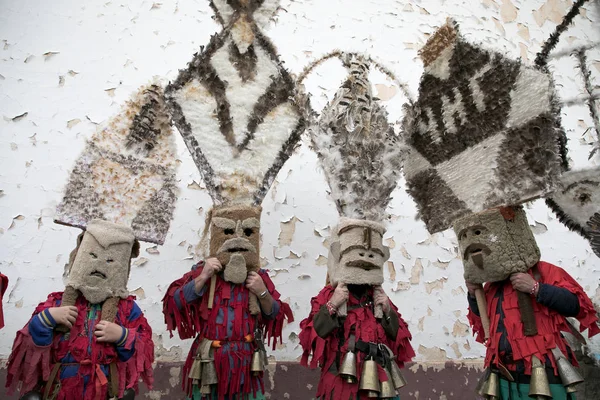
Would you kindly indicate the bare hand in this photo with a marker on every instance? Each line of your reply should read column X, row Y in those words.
column 522, row 282
column 65, row 315
column 211, row 266
column 108, row 332
column 340, row 295
column 255, row 284
column 472, row 287
column 381, row 299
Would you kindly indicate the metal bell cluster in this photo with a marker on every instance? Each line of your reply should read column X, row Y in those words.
column 539, row 386
column 369, row 380
column 203, row 371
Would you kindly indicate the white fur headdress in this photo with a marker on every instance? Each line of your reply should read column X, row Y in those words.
column 485, row 132
column 357, row 147
column 235, row 106
column 126, row 173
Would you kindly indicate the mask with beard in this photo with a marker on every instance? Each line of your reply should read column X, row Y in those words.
column 495, row 244
column 101, row 265
column 235, row 240
column 357, row 253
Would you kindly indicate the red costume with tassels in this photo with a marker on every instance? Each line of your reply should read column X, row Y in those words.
column 327, row 352
column 549, row 322
column 230, row 323
column 76, row 364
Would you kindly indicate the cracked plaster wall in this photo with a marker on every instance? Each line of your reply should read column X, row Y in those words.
column 65, row 66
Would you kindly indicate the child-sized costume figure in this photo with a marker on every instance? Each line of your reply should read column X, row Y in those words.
column 483, row 138
column 227, row 358
column 354, row 332
column 94, row 358
column 235, row 106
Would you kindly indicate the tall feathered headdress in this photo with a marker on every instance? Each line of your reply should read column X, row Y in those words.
column 126, row 173
column 235, row 106
column 357, row 146
column 361, row 158
column 485, row 132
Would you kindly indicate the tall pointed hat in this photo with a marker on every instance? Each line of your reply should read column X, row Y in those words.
column 485, row 131
column 235, row 106
column 126, row 172
column 361, row 158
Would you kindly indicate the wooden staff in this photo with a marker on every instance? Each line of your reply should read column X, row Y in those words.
column 527, row 314
column 211, row 291
column 482, row 305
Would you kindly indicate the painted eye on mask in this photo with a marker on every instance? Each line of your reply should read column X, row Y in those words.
column 228, row 231
column 248, row 231
column 94, row 256
column 109, row 260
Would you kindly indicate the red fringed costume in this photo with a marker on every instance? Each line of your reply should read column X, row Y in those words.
column 84, row 367
column 366, row 328
column 550, row 323
column 233, row 358
column 3, row 286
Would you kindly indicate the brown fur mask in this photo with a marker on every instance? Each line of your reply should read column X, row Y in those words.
column 100, row 266
column 495, row 244
column 235, row 240
column 357, row 253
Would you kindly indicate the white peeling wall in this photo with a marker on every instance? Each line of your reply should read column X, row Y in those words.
column 67, row 65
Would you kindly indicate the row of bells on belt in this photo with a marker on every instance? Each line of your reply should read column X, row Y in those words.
column 539, row 388
column 369, row 380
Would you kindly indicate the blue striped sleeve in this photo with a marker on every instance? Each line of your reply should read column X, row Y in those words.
column 189, row 293
column 41, row 328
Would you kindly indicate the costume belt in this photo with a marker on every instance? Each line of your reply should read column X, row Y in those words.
column 91, row 368
column 218, row 343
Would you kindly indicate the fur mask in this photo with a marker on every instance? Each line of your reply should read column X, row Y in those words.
column 495, row 244
column 100, row 268
column 357, row 253
column 235, row 240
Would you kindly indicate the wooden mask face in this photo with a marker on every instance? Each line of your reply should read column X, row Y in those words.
column 235, row 240
column 101, row 266
column 495, row 244
column 358, row 253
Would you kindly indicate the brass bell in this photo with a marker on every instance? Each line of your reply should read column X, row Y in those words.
column 491, row 390
column 196, row 370
column 483, row 384
column 257, row 365
column 571, row 388
column 209, row 373
column 397, row 376
column 567, row 372
column 539, row 380
column 205, row 389
column 388, row 390
column 348, row 368
column 369, row 380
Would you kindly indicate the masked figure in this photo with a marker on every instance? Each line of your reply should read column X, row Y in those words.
column 92, row 340
column 354, row 332
column 235, row 108
column 478, row 141
column 105, row 346
column 527, row 300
